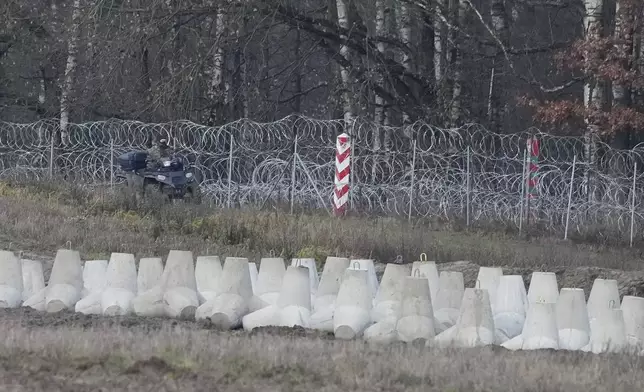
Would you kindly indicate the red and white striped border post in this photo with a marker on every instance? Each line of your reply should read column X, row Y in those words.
column 342, row 171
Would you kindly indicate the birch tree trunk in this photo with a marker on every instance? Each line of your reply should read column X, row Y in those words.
column 456, row 108
column 441, row 6
column 623, row 36
column 68, row 85
column 215, row 90
column 501, row 26
column 625, row 46
column 343, row 21
column 170, row 62
column 594, row 97
column 405, row 38
column 297, row 103
column 638, row 54
column 380, row 115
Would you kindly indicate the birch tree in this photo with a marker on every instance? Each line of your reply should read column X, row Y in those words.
column 380, row 116
column 456, row 60
column 404, row 24
column 343, row 21
column 68, row 84
column 500, row 24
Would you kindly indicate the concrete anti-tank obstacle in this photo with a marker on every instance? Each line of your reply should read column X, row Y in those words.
column 510, row 307
column 313, row 273
column 269, row 283
column 633, row 312
column 180, row 285
column 417, row 315
column 572, row 319
column 149, row 298
column 427, row 269
column 475, row 325
column 207, row 274
column 488, row 279
column 121, row 283
column 448, row 299
column 94, row 277
column 543, row 288
column 607, row 332
column 37, row 300
column 94, row 282
column 252, row 270
column 514, row 344
column 293, row 306
column 33, row 278
column 149, row 274
column 11, row 280
column 266, row 316
column 387, row 304
column 444, row 339
column 540, row 328
column 65, row 282
column 603, row 295
column 353, row 304
column 324, row 301
column 175, row 294
column 382, row 332
column 388, row 300
column 227, row 309
column 368, row 265
column 330, row 281
column 295, row 297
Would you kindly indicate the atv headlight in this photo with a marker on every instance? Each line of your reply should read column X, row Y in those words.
column 166, row 163
column 160, row 177
column 188, row 175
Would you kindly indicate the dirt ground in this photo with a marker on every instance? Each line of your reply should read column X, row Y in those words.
column 74, row 352
column 36, row 370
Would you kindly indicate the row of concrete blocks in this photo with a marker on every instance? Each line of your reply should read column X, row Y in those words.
column 411, row 302
column 499, row 311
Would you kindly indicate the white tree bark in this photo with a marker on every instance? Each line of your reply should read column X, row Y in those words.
column 380, row 115
column 68, row 85
column 214, row 71
column 404, row 32
column 624, row 37
column 456, row 109
column 343, row 21
column 439, row 42
column 594, row 96
column 501, row 27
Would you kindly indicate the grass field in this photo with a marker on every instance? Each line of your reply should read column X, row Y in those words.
column 43, row 218
column 73, row 352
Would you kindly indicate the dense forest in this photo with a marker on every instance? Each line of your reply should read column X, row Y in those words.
column 566, row 66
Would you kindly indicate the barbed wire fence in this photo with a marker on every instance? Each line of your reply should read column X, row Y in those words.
column 464, row 174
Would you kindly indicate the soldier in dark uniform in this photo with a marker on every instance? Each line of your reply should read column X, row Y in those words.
column 158, row 151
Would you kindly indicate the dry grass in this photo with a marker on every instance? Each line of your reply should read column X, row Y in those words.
column 178, row 357
column 42, row 218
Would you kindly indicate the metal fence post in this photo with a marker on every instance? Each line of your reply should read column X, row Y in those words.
column 293, row 174
column 572, row 180
column 633, row 202
column 230, row 170
column 413, row 177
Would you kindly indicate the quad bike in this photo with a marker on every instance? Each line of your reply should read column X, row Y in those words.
column 169, row 177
